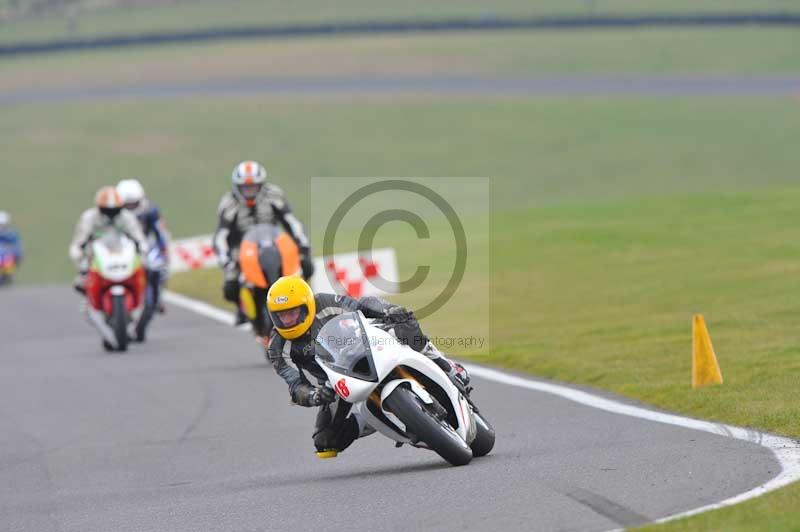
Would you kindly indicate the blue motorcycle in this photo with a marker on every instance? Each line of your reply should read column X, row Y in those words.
column 8, row 264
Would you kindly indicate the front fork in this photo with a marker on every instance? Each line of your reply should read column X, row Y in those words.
column 98, row 319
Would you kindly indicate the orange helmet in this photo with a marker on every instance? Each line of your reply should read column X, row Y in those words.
column 108, row 201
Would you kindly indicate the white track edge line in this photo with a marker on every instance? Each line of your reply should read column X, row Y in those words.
column 198, row 307
column 786, row 450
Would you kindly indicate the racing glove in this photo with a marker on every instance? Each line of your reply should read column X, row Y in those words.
column 306, row 263
column 308, row 395
column 230, row 285
column 323, row 395
column 229, row 269
column 144, row 260
column 397, row 314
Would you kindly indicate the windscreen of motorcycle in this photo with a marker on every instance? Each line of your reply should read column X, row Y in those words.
column 343, row 346
column 115, row 256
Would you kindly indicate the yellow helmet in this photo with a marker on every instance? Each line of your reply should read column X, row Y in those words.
column 291, row 306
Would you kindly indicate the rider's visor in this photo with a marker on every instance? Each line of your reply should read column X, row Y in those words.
column 110, row 212
column 250, row 191
column 132, row 205
column 286, row 319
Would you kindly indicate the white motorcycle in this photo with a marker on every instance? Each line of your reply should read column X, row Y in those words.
column 400, row 393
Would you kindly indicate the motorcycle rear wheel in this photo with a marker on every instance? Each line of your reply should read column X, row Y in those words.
column 484, row 438
column 437, row 434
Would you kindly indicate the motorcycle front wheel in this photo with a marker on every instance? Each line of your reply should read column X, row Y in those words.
column 419, row 421
column 119, row 322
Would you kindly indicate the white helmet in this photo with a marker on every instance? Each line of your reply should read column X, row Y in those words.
column 248, row 179
column 132, row 193
column 5, row 219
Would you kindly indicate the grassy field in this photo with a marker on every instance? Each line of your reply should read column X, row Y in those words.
column 88, row 18
column 636, row 272
column 611, row 220
column 183, row 151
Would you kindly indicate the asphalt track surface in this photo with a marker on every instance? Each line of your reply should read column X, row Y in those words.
column 383, row 27
column 193, row 431
column 586, row 85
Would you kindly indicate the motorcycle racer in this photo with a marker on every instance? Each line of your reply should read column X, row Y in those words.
column 252, row 200
column 10, row 249
column 157, row 272
column 9, row 236
column 149, row 216
column 134, row 199
column 298, row 315
column 107, row 212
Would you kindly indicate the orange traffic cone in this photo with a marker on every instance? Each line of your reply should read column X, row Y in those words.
column 705, row 369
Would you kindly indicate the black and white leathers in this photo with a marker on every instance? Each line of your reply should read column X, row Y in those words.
column 235, row 217
column 291, row 358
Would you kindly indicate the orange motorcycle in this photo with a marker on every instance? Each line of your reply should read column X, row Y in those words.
column 265, row 255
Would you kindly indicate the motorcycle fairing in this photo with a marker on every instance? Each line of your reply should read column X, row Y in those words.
column 98, row 291
column 114, row 257
column 8, row 261
column 386, row 354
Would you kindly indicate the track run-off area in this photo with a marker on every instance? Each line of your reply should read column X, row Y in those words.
column 194, row 431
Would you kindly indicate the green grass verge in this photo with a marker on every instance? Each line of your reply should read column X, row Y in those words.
column 611, row 289
column 84, row 18
column 778, row 511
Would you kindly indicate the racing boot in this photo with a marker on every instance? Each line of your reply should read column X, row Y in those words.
column 457, row 373
column 79, row 283
column 136, row 327
column 241, row 319
column 333, row 433
column 330, row 442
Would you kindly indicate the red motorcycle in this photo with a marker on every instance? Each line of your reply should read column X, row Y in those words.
column 115, row 288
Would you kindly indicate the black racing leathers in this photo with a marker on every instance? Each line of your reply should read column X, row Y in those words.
column 336, row 428
column 234, row 218
column 300, row 352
